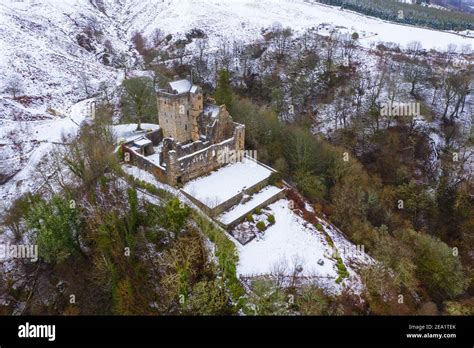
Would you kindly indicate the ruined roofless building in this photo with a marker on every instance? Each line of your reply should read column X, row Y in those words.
column 194, row 133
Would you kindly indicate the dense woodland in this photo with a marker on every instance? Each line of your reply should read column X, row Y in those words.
column 311, row 105
column 412, row 14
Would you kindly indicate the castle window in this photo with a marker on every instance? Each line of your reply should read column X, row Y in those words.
column 185, row 127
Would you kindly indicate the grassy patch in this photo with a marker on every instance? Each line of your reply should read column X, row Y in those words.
column 341, row 270
column 261, row 226
column 271, row 219
column 249, row 218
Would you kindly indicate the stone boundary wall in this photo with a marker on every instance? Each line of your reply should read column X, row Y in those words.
column 143, row 163
column 269, row 201
column 198, row 203
column 219, row 209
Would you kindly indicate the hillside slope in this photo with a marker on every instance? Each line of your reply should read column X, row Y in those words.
column 59, row 52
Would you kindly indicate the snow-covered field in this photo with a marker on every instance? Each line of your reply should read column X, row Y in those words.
column 38, row 44
column 244, row 19
column 39, row 49
column 128, row 132
column 291, row 243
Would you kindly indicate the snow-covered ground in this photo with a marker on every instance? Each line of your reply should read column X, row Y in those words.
column 292, row 242
column 244, row 19
column 226, row 182
column 44, row 135
column 39, row 46
column 39, row 49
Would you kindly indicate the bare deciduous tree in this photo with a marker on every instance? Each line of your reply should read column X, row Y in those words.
column 14, row 85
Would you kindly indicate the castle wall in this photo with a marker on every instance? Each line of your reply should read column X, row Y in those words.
column 143, row 163
column 185, row 155
column 155, row 136
column 186, row 162
column 196, row 101
column 203, row 161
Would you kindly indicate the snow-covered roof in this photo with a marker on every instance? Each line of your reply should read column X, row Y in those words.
column 142, row 142
column 181, row 86
column 128, row 132
column 212, row 109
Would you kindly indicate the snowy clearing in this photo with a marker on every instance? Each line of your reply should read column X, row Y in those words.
column 293, row 242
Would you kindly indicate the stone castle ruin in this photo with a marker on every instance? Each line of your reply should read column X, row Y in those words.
column 192, row 135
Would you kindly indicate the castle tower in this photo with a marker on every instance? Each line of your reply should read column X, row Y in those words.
column 179, row 107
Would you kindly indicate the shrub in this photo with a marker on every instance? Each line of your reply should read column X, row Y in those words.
column 319, row 227
column 275, row 178
column 258, row 211
column 210, row 298
column 436, row 266
column 261, row 226
column 271, row 219
column 266, row 298
column 56, row 225
column 341, row 270
column 311, row 186
column 250, row 217
column 175, row 215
